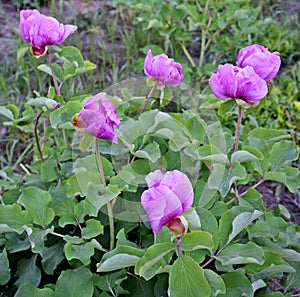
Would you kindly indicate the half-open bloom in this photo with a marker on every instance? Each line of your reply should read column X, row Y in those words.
column 167, row 197
column 238, row 83
column 264, row 63
column 163, row 69
column 98, row 117
column 40, row 30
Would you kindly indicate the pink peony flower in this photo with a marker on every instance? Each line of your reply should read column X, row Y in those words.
column 264, row 63
column 238, row 83
column 167, row 197
column 98, row 117
column 40, row 30
column 163, row 69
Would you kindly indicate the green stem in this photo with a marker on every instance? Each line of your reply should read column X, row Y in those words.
column 37, row 136
column 203, row 37
column 149, row 96
column 57, row 89
column 108, row 204
column 187, row 54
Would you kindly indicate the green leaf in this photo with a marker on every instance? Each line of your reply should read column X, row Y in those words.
column 216, row 282
column 36, row 237
column 118, row 258
column 242, row 156
column 152, row 261
column 4, row 268
column 243, row 220
column 273, row 264
column 13, row 218
column 222, row 179
column 82, row 252
column 226, row 107
column 196, row 128
column 109, row 281
column 236, row 285
column 6, row 113
column 187, row 279
column 37, row 203
column 74, row 283
column 52, row 256
column 213, row 154
column 43, row 102
column 57, row 70
column 28, row 290
column 281, row 153
column 49, row 171
column 150, row 152
column 93, row 229
column 197, row 240
column 72, row 54
column 241, row 254
column 269, row 135
column 22, row 51
column 28, row 272
column 125, row 181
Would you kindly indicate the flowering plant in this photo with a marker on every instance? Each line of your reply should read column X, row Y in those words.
column 40, row 30
column 126, row 195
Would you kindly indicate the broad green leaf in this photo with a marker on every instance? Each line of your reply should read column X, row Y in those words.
column 178, row 141
column 289, row 176
column 209, row 224
column 237, row 285
column 269, row 135
column 37, row 203
column 125, row 181
column 241, row 254
column 221, row 178
column 120, row 257
column 49, row 170
column 13, row 218
column 216, row 282
column 281, row 153
column 72, row 54
column 242, row 156
column 110, row 280
column 28, row 290
column 89, row 163
column 74, row 283
column 197, row 240
column 62, row 204
column 193, row 219
column 52, row 256
column 28, row 272
column 226, row 222
column 57, row 70
column 187, row 279
column 196, row 128
column 43, row 102
column 226, row 107
column 55, row 117
column 273, row 264
column 270, row 227
column 36, row 237
column 150, row 152
column 4, row 268
column 242, row 221
column 212, row 154
column 82, row 252
column 93, row 229
column 22, row 51
column 152, row 262
column 6, row 113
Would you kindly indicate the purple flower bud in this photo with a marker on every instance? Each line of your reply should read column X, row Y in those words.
column 238, row 83
column 98, row 117
column 167, row 197
column 264, row 63
column 40, row 30
column 163, row 69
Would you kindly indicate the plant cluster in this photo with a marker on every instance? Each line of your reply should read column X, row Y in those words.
column 124, row 197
